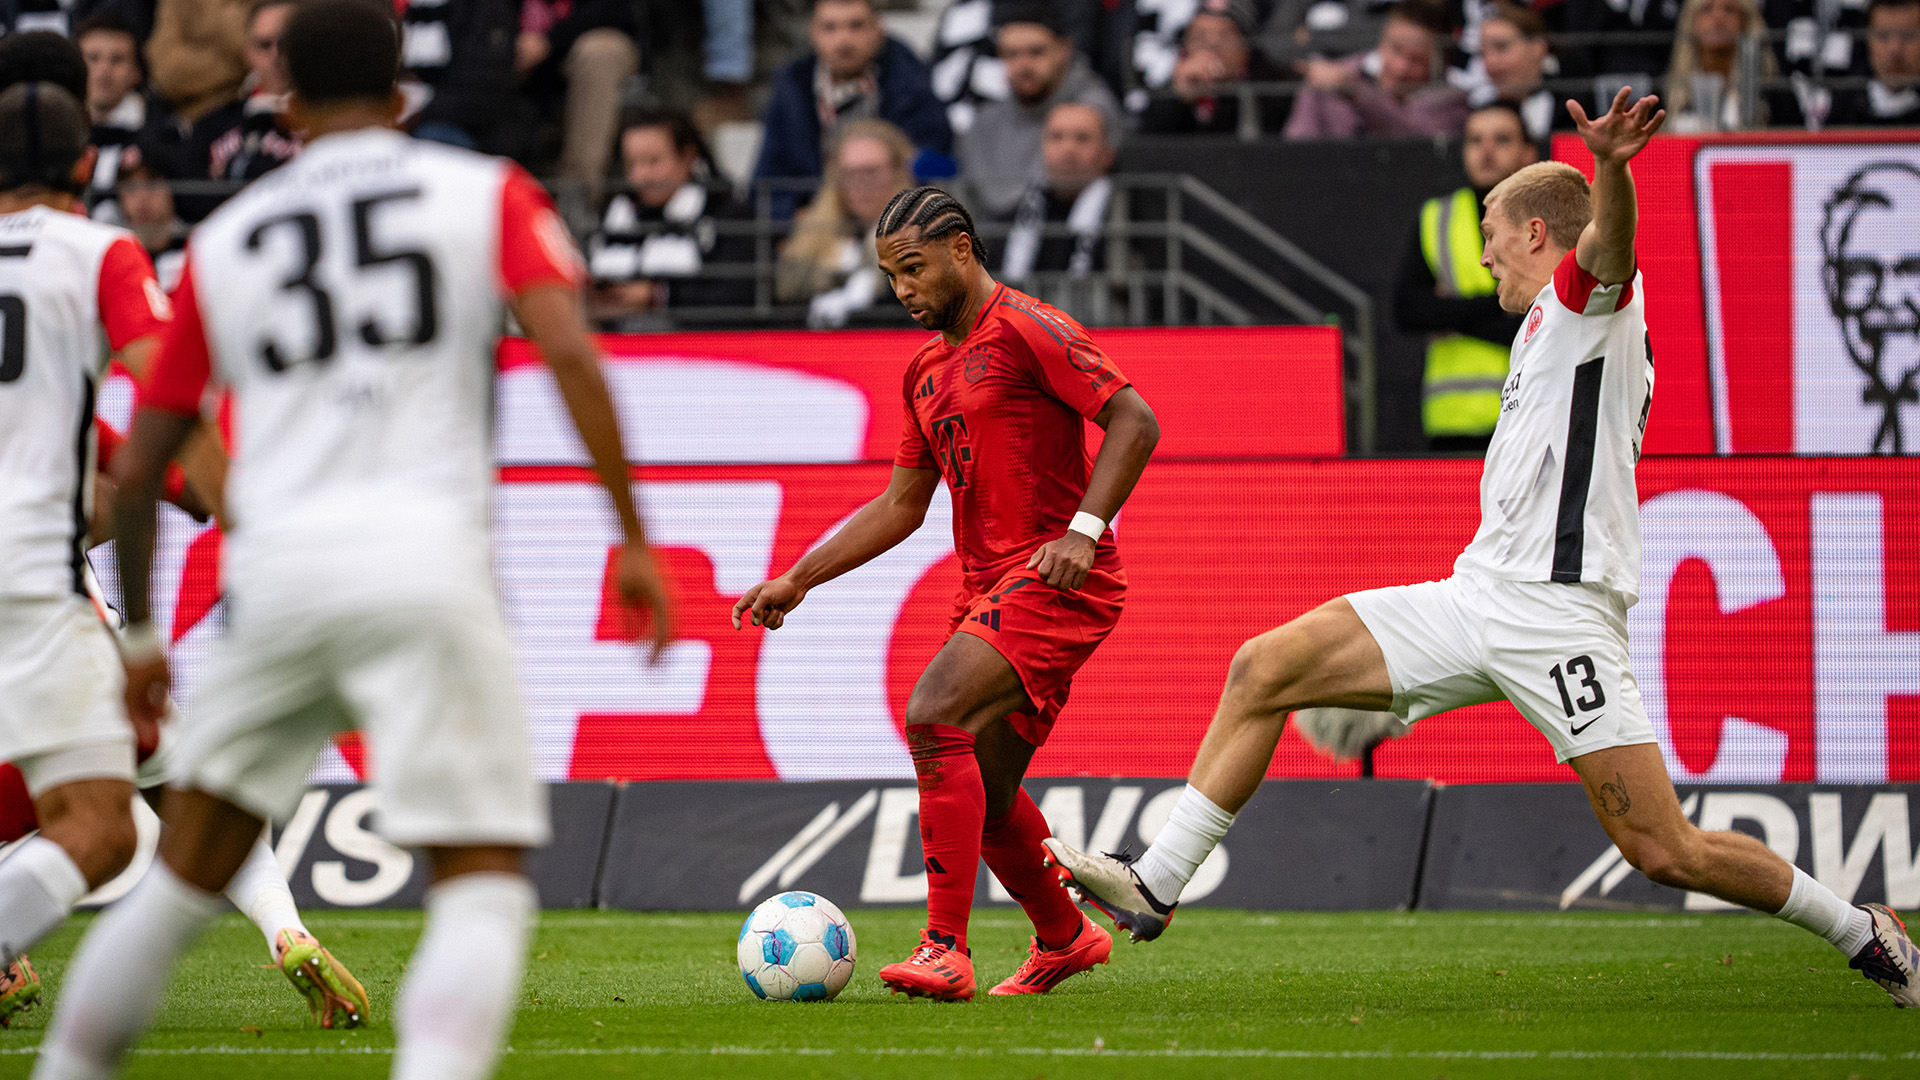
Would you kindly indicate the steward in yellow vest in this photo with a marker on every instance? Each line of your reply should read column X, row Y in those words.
column 1445, row 293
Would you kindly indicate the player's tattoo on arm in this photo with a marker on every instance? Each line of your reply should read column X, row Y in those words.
column 1612, row 796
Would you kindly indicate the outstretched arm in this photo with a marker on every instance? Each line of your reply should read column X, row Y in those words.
column 1132, row 433
column 550, row 315
column 1606, row 244
column 890, row 518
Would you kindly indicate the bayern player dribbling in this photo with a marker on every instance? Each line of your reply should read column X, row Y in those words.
column 997, row 407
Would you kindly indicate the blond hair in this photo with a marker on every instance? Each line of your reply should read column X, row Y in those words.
column 1685, row 62
column 810, row 259
column 1552, row 191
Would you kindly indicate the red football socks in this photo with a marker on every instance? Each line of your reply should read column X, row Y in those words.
column 953, row 808
column 1011, row 846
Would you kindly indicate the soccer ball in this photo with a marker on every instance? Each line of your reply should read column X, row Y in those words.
column 796, row 947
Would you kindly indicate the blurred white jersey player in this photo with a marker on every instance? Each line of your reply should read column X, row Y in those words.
column 1535, row 611
column 350, row 304
column 72, row 293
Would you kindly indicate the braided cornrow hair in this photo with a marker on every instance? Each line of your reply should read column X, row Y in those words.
column 935, row 213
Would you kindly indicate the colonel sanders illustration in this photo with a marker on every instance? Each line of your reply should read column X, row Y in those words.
column 1870, row 243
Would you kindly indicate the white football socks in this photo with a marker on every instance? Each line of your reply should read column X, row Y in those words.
column 454, row 1011
column 39, row 884
column 260, row 891
column 1191, row 833
column 119, row 976
column 1812, row 906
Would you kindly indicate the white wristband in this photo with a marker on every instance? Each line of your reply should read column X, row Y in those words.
column 1087, row 525
column 139, row 643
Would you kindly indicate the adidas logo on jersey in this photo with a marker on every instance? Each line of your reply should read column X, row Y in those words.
column 925, row 391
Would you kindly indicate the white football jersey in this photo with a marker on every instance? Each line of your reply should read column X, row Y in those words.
column 350, row 302
column 1557, row 497
column 71, row 292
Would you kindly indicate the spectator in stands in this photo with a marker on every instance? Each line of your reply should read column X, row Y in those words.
column 121, row 113
column 728, row 63
column 829, row 260
column 853, row 72
column 1075, row 193
column 145, row 197
column 1000, row 154
column 197, row 57
column 1639, row 59
column 1514, row 58
column 1704, row 88
column 1892, row 96
column 459, row 58
column 42, row 56
column 247, row 138
column 1444, row 292
column 659, row 240
column 1214, row 52
column 580, row 51
column 1390, row 91
column 64, row 17
column 1301, row 29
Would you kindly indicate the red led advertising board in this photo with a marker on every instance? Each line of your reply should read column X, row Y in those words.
column 1777, row 637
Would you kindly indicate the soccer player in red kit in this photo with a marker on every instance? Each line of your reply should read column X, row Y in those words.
column 997, row 407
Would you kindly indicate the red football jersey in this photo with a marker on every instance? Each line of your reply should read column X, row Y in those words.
column 1003, row 416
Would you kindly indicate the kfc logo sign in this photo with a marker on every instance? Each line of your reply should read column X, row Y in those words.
column 1810, row 260
column 1870, row 251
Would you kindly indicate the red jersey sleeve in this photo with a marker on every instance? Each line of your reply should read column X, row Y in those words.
column 106, row 443
column 535, row 247
column 915, row 452
column 1583, row 294
column 132, row 304
column 178, row 379
column 1066, row 362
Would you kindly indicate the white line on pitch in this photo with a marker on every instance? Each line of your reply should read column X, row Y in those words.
column 1057, row 1051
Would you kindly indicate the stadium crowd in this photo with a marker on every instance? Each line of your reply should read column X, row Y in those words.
column 720, row 156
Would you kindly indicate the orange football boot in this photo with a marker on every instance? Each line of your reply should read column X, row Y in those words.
column 1046, row 969
column 937, row 969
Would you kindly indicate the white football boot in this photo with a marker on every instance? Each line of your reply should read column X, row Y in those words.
column 1109, row 883
column 1890, row 957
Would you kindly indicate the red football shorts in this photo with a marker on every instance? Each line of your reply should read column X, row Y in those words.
column 1044, row 633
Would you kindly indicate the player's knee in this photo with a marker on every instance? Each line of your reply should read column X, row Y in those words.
column 1260, row 676
column 1666, row 862
column 926, row 706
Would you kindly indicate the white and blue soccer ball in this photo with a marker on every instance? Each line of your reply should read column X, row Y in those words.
column 796, row 947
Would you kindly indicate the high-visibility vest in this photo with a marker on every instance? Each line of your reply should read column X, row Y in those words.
column 1461, row 391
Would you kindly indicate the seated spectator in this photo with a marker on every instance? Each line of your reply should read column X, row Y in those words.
column 1214, row 52
column 829, row 260
column 659, row 236
column 1444, row 292
column 42, row 56
column 1892, row 96
column 579, row 51
column 64, row 17
column 1301, row 29
column 1390, row 91
column 248, row 138
column 1000, row 154
column 145, row 197
column 853, row 72
column 459, row 63
column 197, row 56
column 1704, row 91
column 121, row 113
column 1074, row 192
column 1513, row 61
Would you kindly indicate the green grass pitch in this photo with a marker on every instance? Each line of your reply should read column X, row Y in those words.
column 1224, row 994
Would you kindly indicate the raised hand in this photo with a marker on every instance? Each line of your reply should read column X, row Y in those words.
column 767, row 603
column 1622, row 131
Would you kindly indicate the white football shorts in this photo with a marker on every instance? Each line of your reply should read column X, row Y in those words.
column 1558, row 652
column 428, row 678
column 61, row 717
